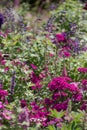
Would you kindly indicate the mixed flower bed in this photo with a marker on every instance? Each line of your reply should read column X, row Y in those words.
column 43, row 70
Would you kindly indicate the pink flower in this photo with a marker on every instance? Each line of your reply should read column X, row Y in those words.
column 33, row 66
column 7, row 114
column 3, row 62
column 1, row 105
column 51, row 54
column 6, row 69
column 60, row 37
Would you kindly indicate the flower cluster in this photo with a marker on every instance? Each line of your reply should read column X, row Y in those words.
column 63, row 90
column 35, row 115
column 82, row 70
column 59, row 83
column 3, row 93
column 36, row 79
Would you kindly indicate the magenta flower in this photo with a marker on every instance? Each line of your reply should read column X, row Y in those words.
column 84, row 106
column 56, row 96
column 82, row 70
column 6, row 69
column 84, row 84
column 51, row 122
column 36, row 86
column 51, row 55
column 3, row 62
column 47, row 101
column 78, row 97
column 60, row 37
column 3, row 93
column 73, row 87
column 58, row 83
column 67, row 54
column 33, row 66
column 23, row 103
column 34, row 78
column 61, row 106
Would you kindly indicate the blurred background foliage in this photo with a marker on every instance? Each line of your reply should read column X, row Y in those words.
column 34, row 4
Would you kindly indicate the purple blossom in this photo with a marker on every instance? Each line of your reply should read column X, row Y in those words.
column 84, row 105
column 1, row 20
column 12, row 83
column 24, row 116
column 61, row 106
column 47, row 101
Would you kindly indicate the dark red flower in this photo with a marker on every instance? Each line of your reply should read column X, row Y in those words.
column 23, row 103
column 85, row 7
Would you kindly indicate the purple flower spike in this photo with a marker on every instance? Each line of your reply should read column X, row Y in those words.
column 12, row 83
column 1, row 20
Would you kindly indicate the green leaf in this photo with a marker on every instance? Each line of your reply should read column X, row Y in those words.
column 50, row 127
column 55, row 113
